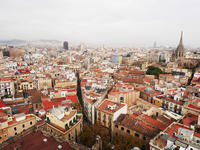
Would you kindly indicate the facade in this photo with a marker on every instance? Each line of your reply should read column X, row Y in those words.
column 44, row 83
column 64, row 83
column 26, row 84
column 7, row 86
column 108, row 111
column 15, row 125
column 124, row 93
column 116, row 59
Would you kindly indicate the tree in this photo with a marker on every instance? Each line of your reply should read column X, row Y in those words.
column 126, row 142
column 128, row 55
column 89, row 133
column 152, row 70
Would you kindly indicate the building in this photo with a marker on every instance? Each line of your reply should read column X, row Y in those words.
column 176, row 136
column 116, row 59
column 65, row 45
column 192, row 107
column 7, row 86
column 26, row 84
column 44, row 83
column 141, row 126
column 64, row 122
column 179, row 53
column 124, row 93
column 15, row 125
column 108, row 111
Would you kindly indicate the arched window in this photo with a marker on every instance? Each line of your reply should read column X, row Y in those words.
column 99, row 116
column 104, row 119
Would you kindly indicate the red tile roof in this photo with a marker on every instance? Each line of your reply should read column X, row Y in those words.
column 35, row 141
column 73, row 98
column 189, row 118
column 155, row 122
column 24, row 71
column 174, row 129
column 194, row 107
column 197, row 134
column 104, row 106
column 6, row 78
column 2, row 104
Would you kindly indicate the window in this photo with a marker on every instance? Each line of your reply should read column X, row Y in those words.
column 0, row 137
column 122, row 128
column 128, row 131
column 31, row 123
column 121, row 99
column 15, row 133
column 116, row 126
column 23, row 126
column 144, row 138
column 191, row 148
column 15, row 128
column 137, row 135
column 198, row 141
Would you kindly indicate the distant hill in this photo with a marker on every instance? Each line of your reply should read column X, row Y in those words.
column 12, row 42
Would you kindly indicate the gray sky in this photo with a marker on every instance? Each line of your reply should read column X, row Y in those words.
column 113, row 22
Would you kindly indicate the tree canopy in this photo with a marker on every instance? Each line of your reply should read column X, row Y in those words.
column 125, row 142
column 152, row 70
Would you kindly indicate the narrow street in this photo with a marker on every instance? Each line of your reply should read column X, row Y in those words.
column 79, row 95
column 193, row 72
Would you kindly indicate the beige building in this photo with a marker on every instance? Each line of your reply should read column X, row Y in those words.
column 108, row 111
column 44, row 83
column 64, row 122
column 26, row 84
column 15, row 125
column 60, row 83
column 128, row 96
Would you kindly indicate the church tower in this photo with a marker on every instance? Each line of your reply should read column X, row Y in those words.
column 180, row 50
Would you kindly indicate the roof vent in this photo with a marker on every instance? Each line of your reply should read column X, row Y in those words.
column 59, row 146
column 45, row 140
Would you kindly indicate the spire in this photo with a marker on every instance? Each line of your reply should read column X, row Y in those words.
column 181, row 39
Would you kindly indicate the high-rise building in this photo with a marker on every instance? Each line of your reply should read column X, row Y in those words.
column 155, row 45
column 65, row 45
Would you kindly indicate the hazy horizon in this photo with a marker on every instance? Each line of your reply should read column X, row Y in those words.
column 109, row 22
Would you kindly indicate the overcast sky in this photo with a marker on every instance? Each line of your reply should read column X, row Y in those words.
column 112, row 22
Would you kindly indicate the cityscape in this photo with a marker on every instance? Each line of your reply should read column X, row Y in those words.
column 82, row 93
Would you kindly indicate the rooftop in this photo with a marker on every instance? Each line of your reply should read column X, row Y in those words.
column 110, row 106
column 37, row 141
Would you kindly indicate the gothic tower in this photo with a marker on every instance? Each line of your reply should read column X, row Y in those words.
column 180, row 50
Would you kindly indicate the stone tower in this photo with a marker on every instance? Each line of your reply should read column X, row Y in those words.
column 179, row 53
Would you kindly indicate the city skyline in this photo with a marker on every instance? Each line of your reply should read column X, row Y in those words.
column 118, row 23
